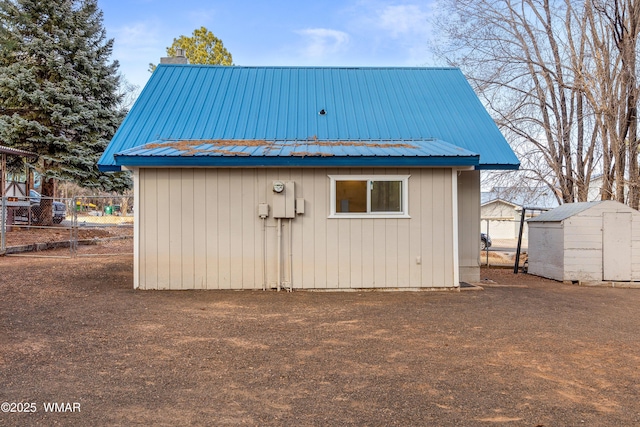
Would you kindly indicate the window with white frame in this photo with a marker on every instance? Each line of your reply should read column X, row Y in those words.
column 364, row 196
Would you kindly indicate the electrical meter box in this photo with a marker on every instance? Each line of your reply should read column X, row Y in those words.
column 284, row 199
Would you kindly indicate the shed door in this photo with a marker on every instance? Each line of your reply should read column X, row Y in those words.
column 616, row 246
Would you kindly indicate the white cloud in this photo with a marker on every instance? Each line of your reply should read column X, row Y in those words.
column 136, row 45
column 201, row 17
column 403, row 20
column 397, row 30
column 137, row 40
column 322, row 42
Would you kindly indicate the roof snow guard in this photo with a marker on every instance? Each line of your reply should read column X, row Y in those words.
column 233, row 153
column 206, row 115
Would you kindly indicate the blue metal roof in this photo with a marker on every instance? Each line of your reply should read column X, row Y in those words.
column 340, row 109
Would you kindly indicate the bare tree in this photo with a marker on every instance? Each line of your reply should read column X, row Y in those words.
column 550, row 73
column 620, row 20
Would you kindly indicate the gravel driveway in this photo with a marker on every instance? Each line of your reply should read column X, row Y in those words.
column 522, row 352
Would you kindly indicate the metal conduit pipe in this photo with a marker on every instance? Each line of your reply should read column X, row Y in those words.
column 279, row 273
column 264, row 254
column 290, row 257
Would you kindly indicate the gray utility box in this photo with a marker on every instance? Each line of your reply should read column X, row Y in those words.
column 284, row 199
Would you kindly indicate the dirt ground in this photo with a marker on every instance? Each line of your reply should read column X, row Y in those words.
column 522, row 352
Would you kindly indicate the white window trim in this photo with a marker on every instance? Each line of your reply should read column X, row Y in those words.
column 405, row 196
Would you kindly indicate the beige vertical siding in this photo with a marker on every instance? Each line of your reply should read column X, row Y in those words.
column 469, row 225
column 199, row 229
column 199, row 237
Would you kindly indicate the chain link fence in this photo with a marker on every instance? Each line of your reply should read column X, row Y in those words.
column 73, row 227
column 504, row 232
column 503, row 236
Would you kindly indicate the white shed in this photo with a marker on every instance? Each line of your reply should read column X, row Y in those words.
column 590, row 241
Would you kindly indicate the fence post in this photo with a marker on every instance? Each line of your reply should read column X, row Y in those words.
column 74, row 227
column 487, row 248
column 3, row 226
column 517, row 263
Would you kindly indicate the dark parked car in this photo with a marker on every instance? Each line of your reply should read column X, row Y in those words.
column 59, row 208
column 485, row 241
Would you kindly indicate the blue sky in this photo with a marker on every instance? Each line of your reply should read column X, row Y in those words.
column 274, row 32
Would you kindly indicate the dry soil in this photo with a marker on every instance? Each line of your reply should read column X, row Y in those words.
column 523, row 352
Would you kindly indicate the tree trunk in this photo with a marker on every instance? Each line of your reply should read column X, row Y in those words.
column 45, row 216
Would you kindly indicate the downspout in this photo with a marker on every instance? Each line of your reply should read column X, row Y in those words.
column 454, row 208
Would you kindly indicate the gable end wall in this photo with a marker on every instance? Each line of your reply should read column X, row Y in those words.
column 199, row 229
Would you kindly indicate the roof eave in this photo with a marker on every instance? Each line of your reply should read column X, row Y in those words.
column 500, row 200
column 294, row 161
column 109, row 168
column 496, row 166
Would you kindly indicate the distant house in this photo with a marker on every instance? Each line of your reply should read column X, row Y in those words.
column 501, row 209
column 594, row 192
column 306, row 177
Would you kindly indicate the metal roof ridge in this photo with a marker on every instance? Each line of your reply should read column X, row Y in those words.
column 313, row 67
column 307, row 140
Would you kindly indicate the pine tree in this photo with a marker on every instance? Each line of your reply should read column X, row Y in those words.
column 59, row 89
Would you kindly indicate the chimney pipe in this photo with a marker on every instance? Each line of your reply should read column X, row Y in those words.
column 179, row 58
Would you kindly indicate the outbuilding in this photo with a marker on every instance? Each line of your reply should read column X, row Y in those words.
column 589, row 241
column 501, row 209
column 306, row 177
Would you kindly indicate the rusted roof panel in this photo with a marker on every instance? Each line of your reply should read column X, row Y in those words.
column 299, row 153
